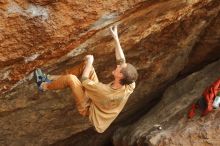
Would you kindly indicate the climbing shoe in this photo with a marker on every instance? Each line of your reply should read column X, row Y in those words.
column 40, row 77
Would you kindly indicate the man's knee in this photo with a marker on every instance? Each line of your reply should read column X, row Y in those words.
column 84, row 112
column 72, row 80
column 71, row 77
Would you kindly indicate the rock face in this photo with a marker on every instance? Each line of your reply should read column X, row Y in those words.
column 164, row 39
column 170, row 114
column 33, row 35
column 42, row 2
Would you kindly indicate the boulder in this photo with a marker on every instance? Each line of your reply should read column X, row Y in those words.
column 171, row 115
column 165, row 39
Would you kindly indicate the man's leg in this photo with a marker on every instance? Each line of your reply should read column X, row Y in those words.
column 53, row 77
column 69, row 79
column 64, row 81
column 78, row 70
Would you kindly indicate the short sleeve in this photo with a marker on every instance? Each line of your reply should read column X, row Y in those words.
column 131, row 87
column 89, row 84
column 95, row 90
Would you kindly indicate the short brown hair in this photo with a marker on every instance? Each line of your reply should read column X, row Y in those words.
column 130, row 74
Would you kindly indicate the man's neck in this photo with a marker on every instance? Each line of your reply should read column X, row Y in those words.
column 116, row 84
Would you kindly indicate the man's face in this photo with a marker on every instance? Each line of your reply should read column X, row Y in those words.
column 117, row 72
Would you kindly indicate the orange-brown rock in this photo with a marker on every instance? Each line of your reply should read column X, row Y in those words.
column 164, row 39
column 36, row 36
column 42, row 2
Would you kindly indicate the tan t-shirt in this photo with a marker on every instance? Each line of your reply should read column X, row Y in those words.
column 107, row 102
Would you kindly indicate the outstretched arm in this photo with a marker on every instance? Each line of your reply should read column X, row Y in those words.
column 119, row 54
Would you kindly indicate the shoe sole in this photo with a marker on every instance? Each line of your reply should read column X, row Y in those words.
column 38, row 75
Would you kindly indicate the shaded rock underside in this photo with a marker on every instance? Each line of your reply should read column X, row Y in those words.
column 165, row 39
column 171, row 114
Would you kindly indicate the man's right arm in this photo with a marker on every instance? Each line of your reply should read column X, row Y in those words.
column 89, row 61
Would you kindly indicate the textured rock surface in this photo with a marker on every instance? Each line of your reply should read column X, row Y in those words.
column 170, row 113
column 33, row 35
column 42, row 2
column 163, row 38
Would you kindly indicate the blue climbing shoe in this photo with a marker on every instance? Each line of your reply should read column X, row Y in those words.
column 40, row 78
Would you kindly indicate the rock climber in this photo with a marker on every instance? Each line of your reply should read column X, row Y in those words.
column 101, row 103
